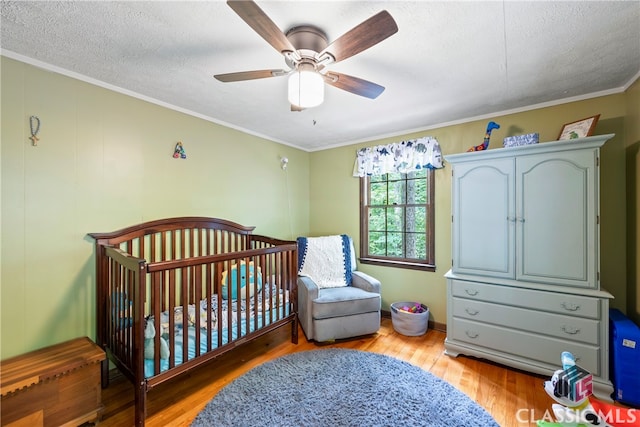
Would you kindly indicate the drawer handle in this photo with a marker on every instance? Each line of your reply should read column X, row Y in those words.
column 472, row 334
column 571, row 331
column 570, row 306
column 471, row 292
column 471, row 311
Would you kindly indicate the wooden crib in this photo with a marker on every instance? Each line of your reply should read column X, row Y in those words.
column 205, row 285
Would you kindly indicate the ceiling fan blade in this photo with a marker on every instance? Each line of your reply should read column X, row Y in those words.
column 353, row 84
column 251, row 13
column 296, row 108
column 250, row 75
column 362, row 37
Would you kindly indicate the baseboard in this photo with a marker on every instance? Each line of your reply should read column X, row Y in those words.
column 436, row 326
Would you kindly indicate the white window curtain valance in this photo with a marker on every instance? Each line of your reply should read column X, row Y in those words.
column 399, row 157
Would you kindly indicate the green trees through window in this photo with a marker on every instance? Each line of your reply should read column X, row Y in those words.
column 397, row 219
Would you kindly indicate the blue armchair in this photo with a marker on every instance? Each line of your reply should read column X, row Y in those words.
column 329, row 310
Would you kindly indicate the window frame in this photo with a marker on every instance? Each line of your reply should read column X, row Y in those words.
column 408, row 263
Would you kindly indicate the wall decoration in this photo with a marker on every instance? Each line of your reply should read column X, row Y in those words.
column 34, row 126
column 579, row 129
column 485, row 144
column 179, row 152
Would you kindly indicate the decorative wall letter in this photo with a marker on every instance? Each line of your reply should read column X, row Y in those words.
column 179, row 153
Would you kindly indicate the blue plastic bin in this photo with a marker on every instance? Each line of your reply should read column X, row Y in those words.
column 624, row 358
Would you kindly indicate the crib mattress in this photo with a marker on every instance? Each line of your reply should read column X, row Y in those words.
column 259, row 312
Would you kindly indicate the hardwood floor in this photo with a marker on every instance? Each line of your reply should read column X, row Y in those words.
column 513, row 398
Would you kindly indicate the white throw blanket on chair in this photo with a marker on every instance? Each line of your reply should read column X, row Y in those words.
column 326, row 260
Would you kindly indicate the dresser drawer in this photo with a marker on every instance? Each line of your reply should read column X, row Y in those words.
column 524, row 345
column 556, row 325
column 574, row 305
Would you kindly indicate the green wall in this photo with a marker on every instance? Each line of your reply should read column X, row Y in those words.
column 335, row 195
column 632, row 155
column 104, row 161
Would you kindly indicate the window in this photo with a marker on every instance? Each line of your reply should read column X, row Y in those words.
column 397, row 219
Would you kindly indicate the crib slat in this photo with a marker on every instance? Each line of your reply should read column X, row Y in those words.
column 197, row 278
column 152, row 248
column 173, row 243
column 184, row 292
column 172, row 319
column 209, row 271
column 156, row 304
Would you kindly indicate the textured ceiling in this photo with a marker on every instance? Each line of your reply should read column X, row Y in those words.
column 448, row 62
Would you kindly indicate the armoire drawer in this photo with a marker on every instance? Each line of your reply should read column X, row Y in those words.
column 524, row 345
column 556, row 325
column 574, row 305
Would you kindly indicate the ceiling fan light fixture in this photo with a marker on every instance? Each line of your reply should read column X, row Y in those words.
column 306, row 88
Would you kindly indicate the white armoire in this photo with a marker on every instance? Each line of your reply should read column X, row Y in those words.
column 525, row 279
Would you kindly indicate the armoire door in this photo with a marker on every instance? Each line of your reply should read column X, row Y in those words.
column 556, row 228
column 483, row 218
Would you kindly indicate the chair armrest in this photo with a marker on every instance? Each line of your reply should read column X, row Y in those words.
column 307, row 292
column 364, row 281
column 308, row 287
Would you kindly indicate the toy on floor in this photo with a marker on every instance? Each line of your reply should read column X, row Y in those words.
column 485, row 144
column 616, row 415
column 572, row 388
column 595, row 413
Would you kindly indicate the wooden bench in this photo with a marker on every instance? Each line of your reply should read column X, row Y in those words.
column 53, row 386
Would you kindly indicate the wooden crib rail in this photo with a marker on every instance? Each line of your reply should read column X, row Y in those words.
column 178, row 238
column 168, row 224
column 259, row 241
column 121, row 301
column 189, row 262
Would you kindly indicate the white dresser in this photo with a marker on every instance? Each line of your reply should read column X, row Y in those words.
column 525, row 284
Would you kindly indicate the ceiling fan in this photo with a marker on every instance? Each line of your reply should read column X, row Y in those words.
column 307, row 53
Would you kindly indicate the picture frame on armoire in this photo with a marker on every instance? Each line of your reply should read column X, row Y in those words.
column 579, row 128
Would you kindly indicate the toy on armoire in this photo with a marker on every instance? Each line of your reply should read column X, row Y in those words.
column 572, row 388
column 487, row 136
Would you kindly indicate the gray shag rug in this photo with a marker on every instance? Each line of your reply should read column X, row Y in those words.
column 338, row 387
